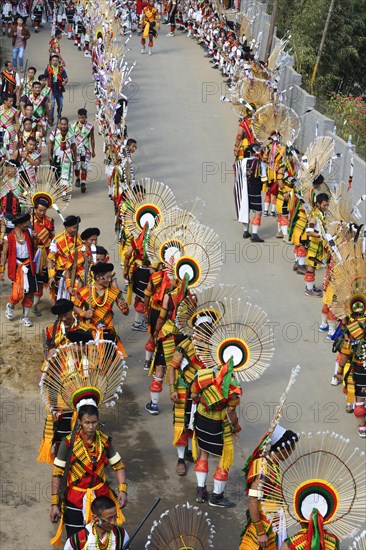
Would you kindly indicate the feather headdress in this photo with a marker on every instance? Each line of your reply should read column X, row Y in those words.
column 184, row 527
column 95, row 370
column 148, row 202
column 323, row 473
column 240, row 335
column 205, row 306
column 276, row 118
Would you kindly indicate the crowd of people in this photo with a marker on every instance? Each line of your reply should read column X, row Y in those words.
column 197, row 331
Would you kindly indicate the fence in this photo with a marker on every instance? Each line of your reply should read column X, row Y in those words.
column 313, row 122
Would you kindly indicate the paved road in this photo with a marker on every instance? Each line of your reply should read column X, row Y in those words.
column 185, row 138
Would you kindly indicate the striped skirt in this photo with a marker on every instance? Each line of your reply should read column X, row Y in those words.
column 210, row 434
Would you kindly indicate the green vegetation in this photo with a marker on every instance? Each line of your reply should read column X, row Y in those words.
column 340, row 83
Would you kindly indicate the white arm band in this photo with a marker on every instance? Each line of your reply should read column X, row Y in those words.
column 255, row 493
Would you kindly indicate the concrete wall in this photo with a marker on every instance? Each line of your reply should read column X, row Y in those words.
column 313, row 122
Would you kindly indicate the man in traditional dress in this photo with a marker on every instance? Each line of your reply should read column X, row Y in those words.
column 166, row 337
column 9, row 120
column 85, row 148
column 39, row 102
column 86, row 257
column 10, row 82
column 258, row 532
column 62, row 152
column 62, row 252
column 172, row 12
column 182, row 370
column 244, row 137
column 273, row 156
column 95, row 301
column 217, row 394
column 316, row 251
column 29, row 159
column 149, row 22
column 248, row 191
column 19, row 252
column 44, row 228
column 312, row 535
column 87, row 456
column 102, row 531
column 54, row 46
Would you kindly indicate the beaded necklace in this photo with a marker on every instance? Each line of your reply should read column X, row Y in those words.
column 99, row 448
column 98, row 543
column 95, row 297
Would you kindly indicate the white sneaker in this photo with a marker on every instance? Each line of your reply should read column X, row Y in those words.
column 142, row 50
column 335, row 381
column 150, row 51
column 330, row 335
column 9, row 312
column 324, row 327
column 170, row 34
column 26, row 322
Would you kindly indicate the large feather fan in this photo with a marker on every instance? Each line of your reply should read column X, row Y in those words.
column 276, row 118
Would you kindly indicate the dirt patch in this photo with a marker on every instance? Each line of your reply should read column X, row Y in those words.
column 21, row 353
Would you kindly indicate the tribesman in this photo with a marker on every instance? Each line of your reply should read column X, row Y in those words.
column 54, row 46
column 248, row 191
column 316, row 251
column 85, row 148
column 82, row 263
column 64, row 330
column 258, row 532
column 166, row 337
column 87, row 456
column 62, row 152
column 44, row 228
column 218, row 395
column 19, row 252
column 149, row 22
column 273, row 156
column 101, row 529
column 61, row 255
column 182, row 371
column 95, row 302
column 244, row 137
column 9, row 120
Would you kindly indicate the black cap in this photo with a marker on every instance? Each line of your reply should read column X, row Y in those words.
column 79, row 336
column 62, row 306
column 12, row 162
column 101, row 268
column 89, row 232
column 69, row 221
column 318, row 180
column 42, row 202
column 22, row 218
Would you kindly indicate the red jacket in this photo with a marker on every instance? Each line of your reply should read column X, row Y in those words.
column 12, row 254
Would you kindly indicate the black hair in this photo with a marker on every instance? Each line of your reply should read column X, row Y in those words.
column 322, row 197
column 100, row 504
column 58, row 32
column 42, row 76
column 33, row 69
column 130, row 141
column 287, row 441
column 64, row 118
column 36, row 82
column 101, row 251
column 91, row 410
column 8, row 96
column 31, row 138
column 27, row 119
column 82, row 112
